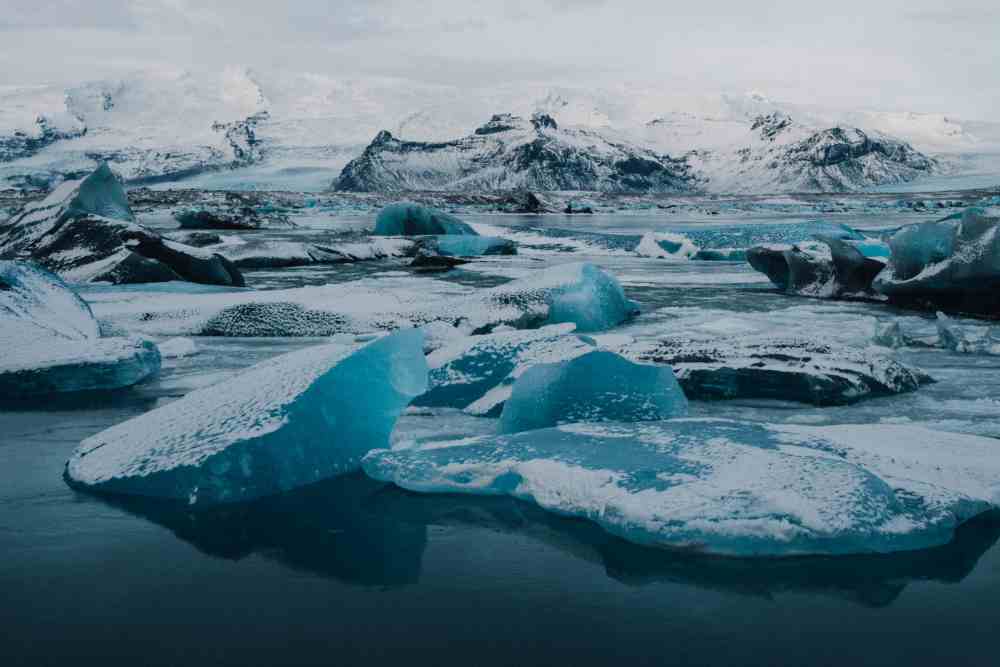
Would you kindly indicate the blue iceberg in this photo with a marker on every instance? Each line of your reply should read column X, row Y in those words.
column 478, row 372
column 285, row 423
column 409, row 219
column 952, row 264
column 596, row 386
column 456, row 245
column 588, row 297
column 726, row 487
column 50, row 342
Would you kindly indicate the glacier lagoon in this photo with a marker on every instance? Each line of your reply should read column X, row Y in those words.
column 366, row 571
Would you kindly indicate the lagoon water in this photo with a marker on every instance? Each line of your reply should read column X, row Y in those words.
column 354, row 572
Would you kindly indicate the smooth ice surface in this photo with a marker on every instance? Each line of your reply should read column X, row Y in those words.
column 464, row 245
column 49, row 340
column 596, row 386
column 727, row 487
column 579, row 293
column 478, row 372
column 287, row 422
column 409, row 219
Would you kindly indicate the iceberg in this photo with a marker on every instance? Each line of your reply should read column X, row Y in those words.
column 458, row 245
column 951, row 264
column 409, row 219
column 769, row 367
column 829, row 268
column 49, row 340
column 85, row 231
column 726, row 487
column 596, row 386
column 287, row 422
column 268, row 254
column 477, row 373
column 578, row 293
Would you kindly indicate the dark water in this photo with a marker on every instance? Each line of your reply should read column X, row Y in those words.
column 353, row 572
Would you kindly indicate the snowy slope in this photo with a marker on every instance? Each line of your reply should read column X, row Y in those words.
column 298, row 130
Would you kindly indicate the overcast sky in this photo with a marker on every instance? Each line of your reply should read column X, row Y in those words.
column 885, row 54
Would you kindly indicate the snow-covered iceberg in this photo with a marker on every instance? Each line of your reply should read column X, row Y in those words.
column 953, row 263
column 409, row 219
column 727, row 487
column 782, row 368
column 49, row 340
column 666, row 245
column 578, row 293
column 596, row 386
column 478, row 372
column 285, row 423
column 85, row 231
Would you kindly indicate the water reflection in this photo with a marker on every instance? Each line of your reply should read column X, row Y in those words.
column 371, row 534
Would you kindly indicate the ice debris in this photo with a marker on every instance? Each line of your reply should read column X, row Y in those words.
column 595, row 386
column 49, row 340
column 725, row 487
column 285, row 423
column 409, row 219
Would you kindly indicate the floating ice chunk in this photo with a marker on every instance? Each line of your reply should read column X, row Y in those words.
column 579, row 293
column 889, row 334
column 409, row 219
column 276, row 254
column 287, row 422
column 766, row 367
column 953, row 263
column 478, row 372
column 727, row 487
column 59, row 365
column 721, row 255
column 177, row 347
column 666, row 245
column 830, row 268
column 596, row 386
column 463, row 245
column 49, row 340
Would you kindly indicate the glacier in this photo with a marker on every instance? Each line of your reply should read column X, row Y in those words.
column 287, row 422
column 595, row 386
column 410, row 219
column 725, row 487
column 50, row 342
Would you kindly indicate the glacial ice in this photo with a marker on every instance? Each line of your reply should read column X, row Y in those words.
column 953, row 263
column 579, row 293
column 726, row 487
column 49, row 340
column 666, row 245
column 829, row 267
column 463, row 245
column 477, row 373
column 596, row 386
column 780, row 368
column 409, row 219
column 285, row 423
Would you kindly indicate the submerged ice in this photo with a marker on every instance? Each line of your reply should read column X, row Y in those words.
column 726, row 487
column 287, row 422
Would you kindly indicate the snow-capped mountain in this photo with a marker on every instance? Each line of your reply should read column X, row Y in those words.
column 244, row 129
column 511, row 153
